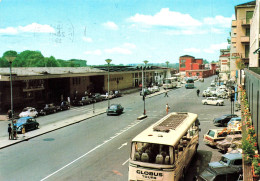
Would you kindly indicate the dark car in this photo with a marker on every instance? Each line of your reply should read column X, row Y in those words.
column 83, row 101
column 219, row 174
column 64, row 105
column 223, row 120
column 29, row 123
column 97, row 97
column 115, row 109
column 48, row 109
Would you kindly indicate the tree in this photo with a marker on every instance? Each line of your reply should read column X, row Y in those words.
column 205, row 61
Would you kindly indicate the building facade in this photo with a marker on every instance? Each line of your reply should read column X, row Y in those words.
column 36, row 86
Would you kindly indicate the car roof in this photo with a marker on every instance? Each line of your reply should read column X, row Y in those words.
column 233, row 156
column 222, row 170
column 25, row 118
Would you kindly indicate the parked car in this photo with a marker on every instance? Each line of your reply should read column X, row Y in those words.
column 228, row 141
column 234, row 122
column 115, row 109
column 29, row 123
column 111, row 95
column 214, row 135
column 48, row 109
column 29, row 111
column 118, row 93
column 97, row 97
column 233, row 160
column 156, row 88
column 223, row 120
column 64, row 105
column 218, row 174
column 146, row 92
column 83, row 101
column 213, row 100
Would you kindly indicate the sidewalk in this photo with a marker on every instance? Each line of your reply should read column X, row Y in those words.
column 5, row 142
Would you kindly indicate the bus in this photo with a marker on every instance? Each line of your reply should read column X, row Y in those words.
column 164, row 150
column 189, row 83
column 170, row 83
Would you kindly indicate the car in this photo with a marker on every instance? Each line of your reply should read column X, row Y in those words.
column 233, row 160
column 64, row 105
column 117, row 93
column 234, row 122
column 29, row 111
column 156, row 88
column 115, row 109
column 97, row 97
column 146, row 92
column 228, row 141
column 223, row 120
column 218, row 174
column 29, row 123
column 48, row 109
column 213, row 100
column 111, row 95
column 214, row 135
column 83, row 101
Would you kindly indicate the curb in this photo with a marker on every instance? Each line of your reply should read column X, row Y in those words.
column 142, row 117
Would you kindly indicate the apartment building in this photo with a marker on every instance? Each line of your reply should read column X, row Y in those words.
column 240, row 32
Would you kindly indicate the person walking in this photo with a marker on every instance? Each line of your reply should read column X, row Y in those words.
column 166, row 93
column 23, row 131
column 167, row 108
column 10, row 131
column 9, row 114
column 198, row 92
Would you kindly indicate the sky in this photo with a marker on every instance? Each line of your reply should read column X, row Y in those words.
column 126, row 31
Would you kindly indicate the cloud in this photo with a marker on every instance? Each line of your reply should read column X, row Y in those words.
column 110, row 25
column 192, row 50
column 87, row 39
column 191, row 31
column 215, row 47
column 220, row 21
column 9, row 30
column 124, row 49
column 166, row 18
column 31, row 28
column 94, row 52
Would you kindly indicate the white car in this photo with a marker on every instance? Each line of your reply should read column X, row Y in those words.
column 213, row 100
column 156, row 88
column 28, row 111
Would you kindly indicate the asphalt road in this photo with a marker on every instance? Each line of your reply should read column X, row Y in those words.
column 98, row 149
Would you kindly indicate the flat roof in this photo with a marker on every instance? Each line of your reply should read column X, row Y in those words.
column 158, row 133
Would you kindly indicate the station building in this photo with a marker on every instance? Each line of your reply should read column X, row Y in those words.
column 41, row 85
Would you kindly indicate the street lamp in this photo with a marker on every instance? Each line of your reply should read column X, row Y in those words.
column 145, row 62
column 10, row 59
column 108, row 63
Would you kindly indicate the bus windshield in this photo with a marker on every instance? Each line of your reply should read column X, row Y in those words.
column 152, row 153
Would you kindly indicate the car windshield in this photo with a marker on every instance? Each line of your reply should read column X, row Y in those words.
column 113, row 107
column 25, row 109
column 207, row 175
column 21, row 121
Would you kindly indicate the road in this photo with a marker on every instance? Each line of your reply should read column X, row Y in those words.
column 98, row 149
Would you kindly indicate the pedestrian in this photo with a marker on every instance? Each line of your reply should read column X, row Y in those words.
column 166, row 93
column 10, row 131
column 167, row 108
column 198, row 92
column 9, row 113
column 14, row 132
column 23, row 131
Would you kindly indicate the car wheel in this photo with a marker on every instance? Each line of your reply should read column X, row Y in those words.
column 205, row 103
column 54, row 110
column 218, row 104
column 69, row 107
column 36, row 126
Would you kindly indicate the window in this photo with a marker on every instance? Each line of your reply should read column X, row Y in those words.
column 238, row 162
column 183, row 61
column 183, row 65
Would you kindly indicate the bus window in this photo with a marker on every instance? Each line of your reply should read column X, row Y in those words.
column 152, row 153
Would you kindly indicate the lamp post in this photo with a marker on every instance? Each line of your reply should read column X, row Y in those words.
column 145, row 62
column 167, row 62
column 108, row 63
column 10, row 59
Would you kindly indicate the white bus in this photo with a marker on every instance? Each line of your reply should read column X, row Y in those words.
column 164, row 150
column 169, row 83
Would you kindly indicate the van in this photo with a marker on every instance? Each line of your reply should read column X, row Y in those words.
column 214, row 135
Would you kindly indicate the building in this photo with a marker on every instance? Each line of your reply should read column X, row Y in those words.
column 36, row 86
column 240, row 37
column 224, row 62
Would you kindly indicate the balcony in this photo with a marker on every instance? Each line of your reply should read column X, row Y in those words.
column 233, row 39
column 246, row 22
column 234, row 23
column 245, row 39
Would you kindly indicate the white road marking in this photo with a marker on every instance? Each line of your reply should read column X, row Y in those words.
column 124, row 144
column 125, row 162
column 106, row 141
